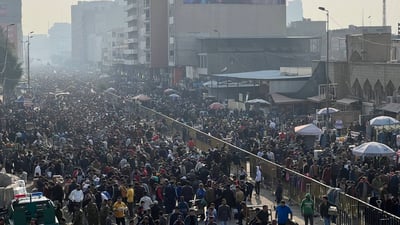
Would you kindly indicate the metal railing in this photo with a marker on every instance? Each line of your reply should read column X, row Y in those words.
column 350, row 210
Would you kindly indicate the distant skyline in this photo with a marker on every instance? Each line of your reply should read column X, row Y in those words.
column 40, row 15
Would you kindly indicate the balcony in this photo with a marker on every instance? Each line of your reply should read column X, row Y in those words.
column 131, row 17
column 131, row 29
column 131, row 5
column 130, row 62
column 130, row 51
column 131, row 40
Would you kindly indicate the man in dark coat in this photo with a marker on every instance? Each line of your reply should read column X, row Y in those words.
column 92, row 213
column 169, row 197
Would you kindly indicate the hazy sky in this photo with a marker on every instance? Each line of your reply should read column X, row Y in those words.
column 39, row 15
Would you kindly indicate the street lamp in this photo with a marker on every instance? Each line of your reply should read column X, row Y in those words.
column 5, row 59
column 218, row 61
column 28, row 65
column 327, row 91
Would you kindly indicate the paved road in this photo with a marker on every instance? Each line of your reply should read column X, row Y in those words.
column 267, row 198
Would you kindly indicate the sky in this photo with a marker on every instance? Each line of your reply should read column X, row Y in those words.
column 40, row 15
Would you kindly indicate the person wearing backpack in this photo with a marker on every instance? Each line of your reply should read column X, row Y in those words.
column 307, row 209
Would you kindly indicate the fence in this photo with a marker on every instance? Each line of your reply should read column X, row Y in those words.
column 350, row 210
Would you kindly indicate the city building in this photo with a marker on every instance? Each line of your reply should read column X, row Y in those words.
column 113, row 50
column 39, row 50
column 60, row 43
column 147, row 51
column 306, row 27
column 337, row 40
column 193, row 24
column 89, row 24
column 294, row 11
column 11, row 13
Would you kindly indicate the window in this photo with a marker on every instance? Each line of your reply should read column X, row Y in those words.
column 203, row 61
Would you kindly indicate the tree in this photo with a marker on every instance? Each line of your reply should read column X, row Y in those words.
column 12, row 73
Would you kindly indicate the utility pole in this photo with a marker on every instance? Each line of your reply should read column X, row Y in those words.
column 327, row 91
column 28, row 65
column 219, row 61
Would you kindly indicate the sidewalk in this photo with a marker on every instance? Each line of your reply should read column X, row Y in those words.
column 267, row 198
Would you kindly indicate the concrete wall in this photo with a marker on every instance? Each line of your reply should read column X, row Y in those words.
column 230, row 20
column 338, row 73
column 369, row 47
column 286, row 86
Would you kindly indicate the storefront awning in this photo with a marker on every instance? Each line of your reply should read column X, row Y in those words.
column 316, row 99
column 346, row 101
column 281, row 99
column 391, row 107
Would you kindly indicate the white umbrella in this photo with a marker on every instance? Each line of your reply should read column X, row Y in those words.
column 258, row 100
column 141, row 97
column 382, row 121
column 308, row 130
column 372, row 149
column 169, row 91
column 109, row 90
column 325, row 111
column 174, row 96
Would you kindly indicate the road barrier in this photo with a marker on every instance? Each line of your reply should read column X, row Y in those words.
column 350, row 210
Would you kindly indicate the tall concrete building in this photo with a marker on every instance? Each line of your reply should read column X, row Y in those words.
column 294, row 11
column 114, row 46
column 191, row 20
column 90, row 21
column 60, row 42
column 147, row 36
column 11, row 13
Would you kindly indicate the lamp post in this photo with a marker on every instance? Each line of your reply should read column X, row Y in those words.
column 5, row 60
column 218, row 61
column 327, row 92
column 28, row 62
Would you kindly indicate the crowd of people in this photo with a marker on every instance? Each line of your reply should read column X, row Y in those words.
column 118, row 165
column 101, row 161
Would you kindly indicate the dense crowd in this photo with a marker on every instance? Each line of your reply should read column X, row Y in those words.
column 117, row 164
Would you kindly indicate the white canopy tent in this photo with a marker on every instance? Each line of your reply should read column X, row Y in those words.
column 308, row 130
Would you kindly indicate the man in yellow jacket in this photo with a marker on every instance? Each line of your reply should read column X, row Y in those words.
column 119, row 209
column 130, row 196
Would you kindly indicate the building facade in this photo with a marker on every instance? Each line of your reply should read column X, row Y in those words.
column 60, row 42
column 89, row 23
column 189, row 20
column 147, row 36
column 113, row 49
column 11, row 13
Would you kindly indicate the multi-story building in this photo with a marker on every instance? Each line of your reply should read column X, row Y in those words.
column 191, row 21
column 89, row 22
column 113, row 49
column 147, row 36
column 294, row 11
column 60, row 42
column 337, row 39
column 11, row 17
